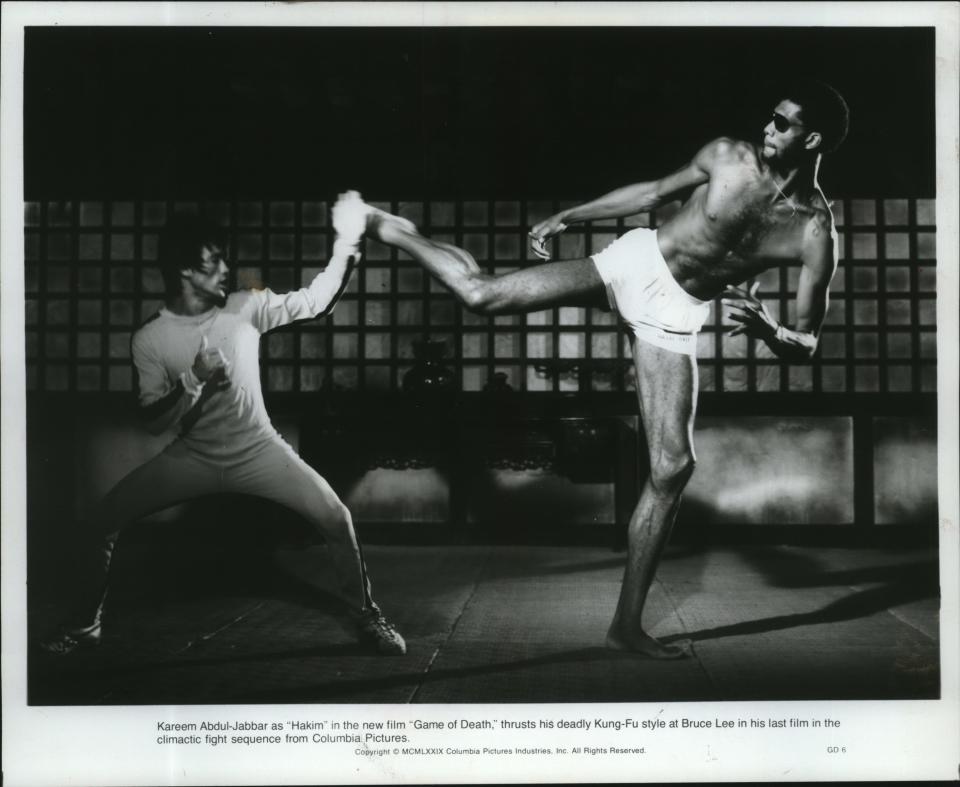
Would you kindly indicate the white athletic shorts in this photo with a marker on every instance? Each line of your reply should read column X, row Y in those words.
column 644, row 293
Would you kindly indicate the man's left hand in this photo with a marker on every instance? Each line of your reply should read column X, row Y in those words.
column 747, row 310
column 545, row 229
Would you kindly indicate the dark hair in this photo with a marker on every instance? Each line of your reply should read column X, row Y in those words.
column 181, row 244
column 823, row 109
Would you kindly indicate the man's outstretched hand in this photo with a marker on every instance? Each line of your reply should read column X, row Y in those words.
column 752, row 315
column 542, row 231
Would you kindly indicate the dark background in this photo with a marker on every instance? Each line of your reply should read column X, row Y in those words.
column 449, row 112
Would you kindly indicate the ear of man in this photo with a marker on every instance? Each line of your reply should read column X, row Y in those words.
column 814, row 141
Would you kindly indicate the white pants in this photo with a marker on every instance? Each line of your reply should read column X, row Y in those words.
column 641, row 289
column 274, row 471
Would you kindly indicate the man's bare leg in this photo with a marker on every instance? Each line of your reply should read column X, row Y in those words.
column 667, row 389
column 667, row 386
column 530, row 289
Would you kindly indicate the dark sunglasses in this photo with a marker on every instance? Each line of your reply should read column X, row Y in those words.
column 780, row 123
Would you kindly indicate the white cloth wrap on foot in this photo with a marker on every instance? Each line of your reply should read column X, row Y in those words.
column 350, row 217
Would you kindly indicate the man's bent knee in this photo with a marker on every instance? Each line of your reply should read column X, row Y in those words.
column 338, row 523
column 671, row 473
column 479, row 295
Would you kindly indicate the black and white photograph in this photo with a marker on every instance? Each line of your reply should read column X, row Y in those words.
column 521, row 392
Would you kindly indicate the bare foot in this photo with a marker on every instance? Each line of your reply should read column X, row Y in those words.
column 644, row 645
column 387, row 227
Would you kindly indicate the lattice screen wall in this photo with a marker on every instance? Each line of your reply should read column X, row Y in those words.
column 91, row 279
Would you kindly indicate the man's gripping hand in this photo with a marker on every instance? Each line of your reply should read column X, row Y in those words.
column 545, row 229
column 211, row 366
column 752, row 315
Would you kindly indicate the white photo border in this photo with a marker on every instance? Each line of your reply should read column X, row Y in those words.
column 114, row 745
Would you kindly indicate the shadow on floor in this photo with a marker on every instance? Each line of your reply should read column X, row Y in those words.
column 320, row 691
column 857, row 605
column 463, row 611
column 793, row 567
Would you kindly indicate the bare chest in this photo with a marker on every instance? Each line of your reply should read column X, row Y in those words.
column 748, row 225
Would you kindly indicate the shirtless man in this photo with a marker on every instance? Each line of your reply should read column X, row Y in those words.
column 198, row 372
column 747, row 207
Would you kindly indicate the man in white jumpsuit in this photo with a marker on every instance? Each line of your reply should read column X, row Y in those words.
column 197, row 364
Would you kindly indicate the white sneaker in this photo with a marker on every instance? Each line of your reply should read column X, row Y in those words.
column 350, row 218
column 373, row 629
column 69, row 639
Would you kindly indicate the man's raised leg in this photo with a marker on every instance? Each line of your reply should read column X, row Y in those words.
column 531, row 289
column 667, row 389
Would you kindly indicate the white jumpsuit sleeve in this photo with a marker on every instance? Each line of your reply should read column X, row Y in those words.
column 272, row 310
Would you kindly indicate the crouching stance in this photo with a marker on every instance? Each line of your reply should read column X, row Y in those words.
column 197, row 364
column 749, row 206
